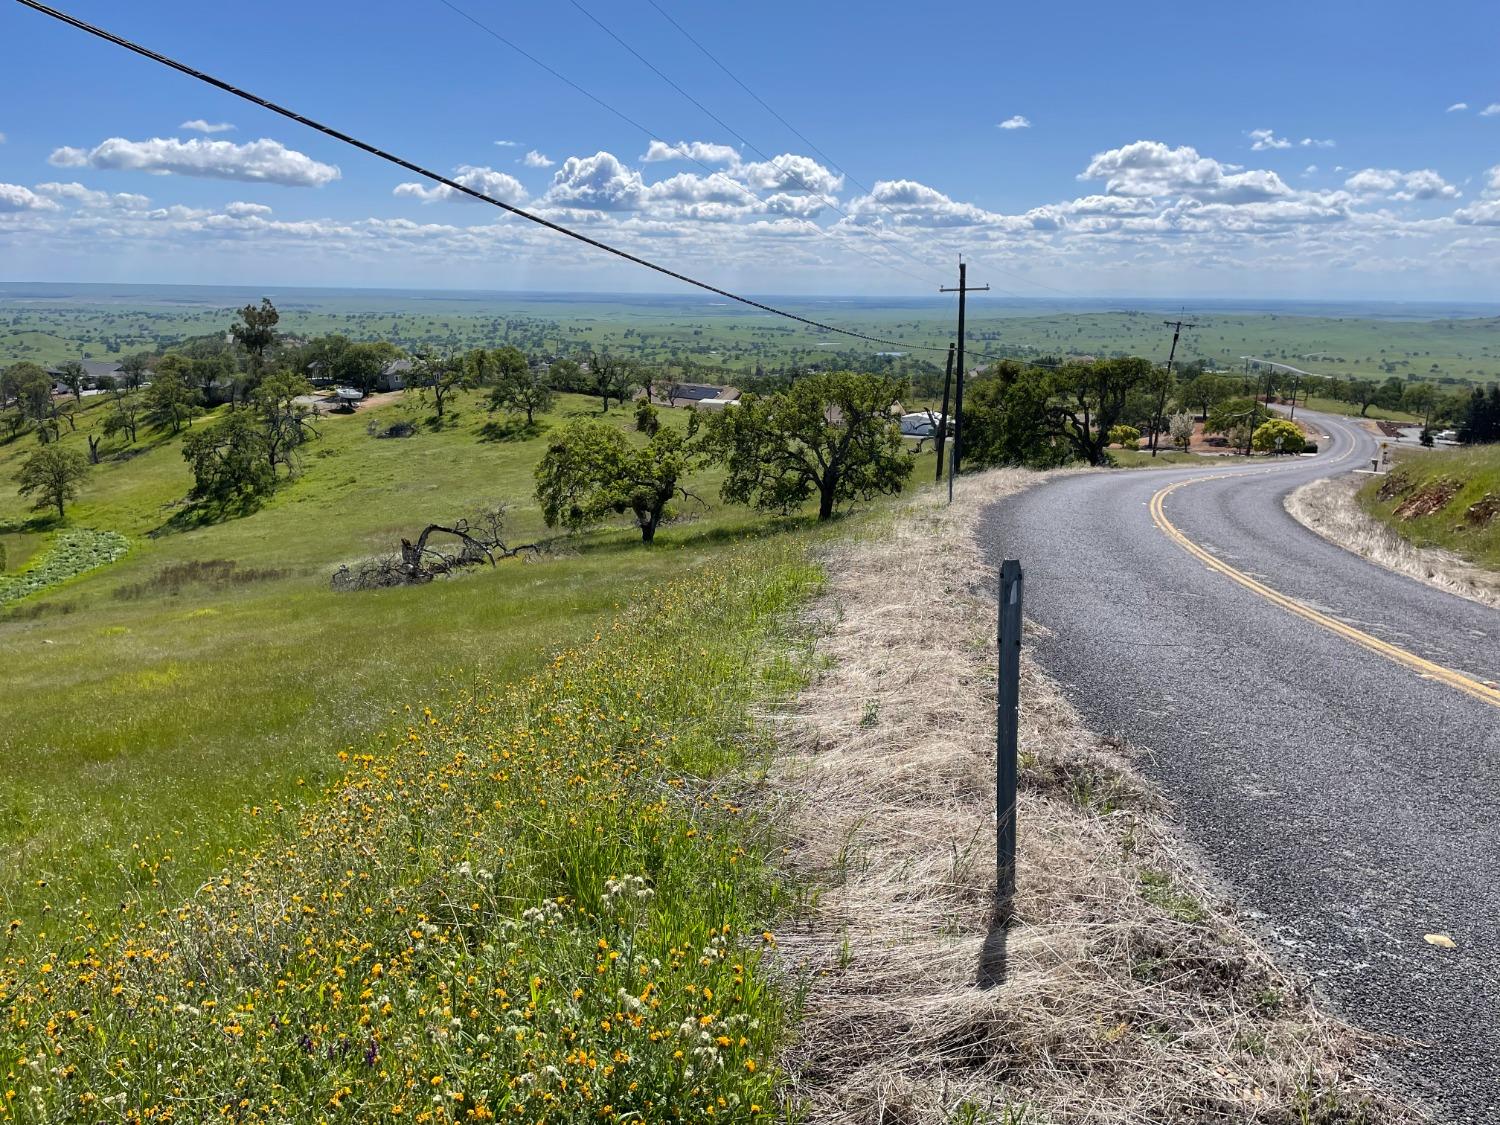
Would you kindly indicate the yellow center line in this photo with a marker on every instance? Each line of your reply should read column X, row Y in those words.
column 1423, row 667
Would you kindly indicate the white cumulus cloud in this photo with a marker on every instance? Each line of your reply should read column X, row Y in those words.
column 910, row 203
column 596, row 183
column 86, row 197
column 497, row 185
column 686, row 187
column 1015, row 122
column 1147, row 168
column 534, row 159
column 792, row 173
column 1485, row 213
column 1404, row 187
column 263, row 161
column 198, row 125
column 704, row 152
column 1491, row 110
column 1457, row 107
column 242, row 210
column 1262, row 139
column 14, row 197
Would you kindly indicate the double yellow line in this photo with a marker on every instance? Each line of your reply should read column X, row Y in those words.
column 1423, row 667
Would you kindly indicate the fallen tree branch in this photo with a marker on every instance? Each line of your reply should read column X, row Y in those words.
column 420, row 562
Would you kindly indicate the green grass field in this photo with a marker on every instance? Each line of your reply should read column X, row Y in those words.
column 485, row 847
column 1377, row 413
column 1459, row 345
column 1448, row 498
column 145, row 713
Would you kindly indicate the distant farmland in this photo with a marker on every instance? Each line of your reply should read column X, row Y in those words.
column 1454, row 345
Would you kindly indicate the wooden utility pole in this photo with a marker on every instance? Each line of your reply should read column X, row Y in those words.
column 1161, row 403
column 942, row 434
column 963, row 290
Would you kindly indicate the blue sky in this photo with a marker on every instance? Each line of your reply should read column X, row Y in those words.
column 1292, row 149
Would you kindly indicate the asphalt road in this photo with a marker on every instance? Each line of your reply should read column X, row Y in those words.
column 1350, row 802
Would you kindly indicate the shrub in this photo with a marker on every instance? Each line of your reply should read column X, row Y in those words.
column 1277, row 436
column 646, row 419
column 1181, row 429
column 1126, row 436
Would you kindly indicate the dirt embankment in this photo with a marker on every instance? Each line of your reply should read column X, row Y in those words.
column 1123, row 990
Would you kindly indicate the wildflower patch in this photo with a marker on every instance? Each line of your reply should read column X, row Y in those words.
column 538, row 901
column 72, row 553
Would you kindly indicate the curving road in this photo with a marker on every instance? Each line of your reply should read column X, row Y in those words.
column 1334, row 753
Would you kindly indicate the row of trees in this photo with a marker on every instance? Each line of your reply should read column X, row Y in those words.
column 1480, row 421
column 829, row 436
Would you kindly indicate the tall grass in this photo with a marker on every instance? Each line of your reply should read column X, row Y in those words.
column 543, row 900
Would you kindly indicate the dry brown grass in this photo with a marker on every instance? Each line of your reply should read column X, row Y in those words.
column 1121, row 992
column 1329, row 508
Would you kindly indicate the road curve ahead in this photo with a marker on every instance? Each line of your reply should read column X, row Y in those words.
column 1328, row 730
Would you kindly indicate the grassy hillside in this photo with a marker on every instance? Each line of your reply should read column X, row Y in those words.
column 542, row 900
column 150, row 703
column 1334, row 406
column 1443, row 498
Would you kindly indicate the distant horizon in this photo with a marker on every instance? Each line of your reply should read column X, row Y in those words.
column 978, row 300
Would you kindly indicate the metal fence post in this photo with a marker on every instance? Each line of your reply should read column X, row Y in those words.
column 1006, row 719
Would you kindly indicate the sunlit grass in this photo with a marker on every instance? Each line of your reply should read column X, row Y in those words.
column 163, row 714
column 1468, row 523
column 541, row 899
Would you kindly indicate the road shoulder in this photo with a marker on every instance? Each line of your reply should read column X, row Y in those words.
column 1328, row 508
column 1125, row 989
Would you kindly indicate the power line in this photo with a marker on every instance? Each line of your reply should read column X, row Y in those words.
column 650, row 134
column 426, row 173
column 792, row 172
column 828, row 160
column 473, row 193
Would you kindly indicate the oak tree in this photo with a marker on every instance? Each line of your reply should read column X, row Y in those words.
column 52, row 475
column 830, row 435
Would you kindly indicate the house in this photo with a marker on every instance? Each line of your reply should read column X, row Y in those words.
column 694, row 394
column 93, row 371
column 393, row 375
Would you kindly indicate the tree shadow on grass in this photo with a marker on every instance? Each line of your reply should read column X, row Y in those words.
column 450, row 420
column 511, row 429
column 42, row 521
column 194, row 516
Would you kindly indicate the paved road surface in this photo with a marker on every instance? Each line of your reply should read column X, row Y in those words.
column 1352, row 802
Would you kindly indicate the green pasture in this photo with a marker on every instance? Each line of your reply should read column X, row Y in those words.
column 149, row 703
